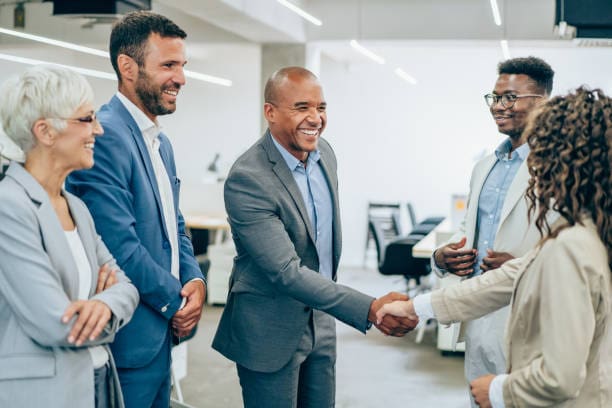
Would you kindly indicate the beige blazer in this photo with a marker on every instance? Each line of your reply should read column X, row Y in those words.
column 558, row 337
column 515, row 234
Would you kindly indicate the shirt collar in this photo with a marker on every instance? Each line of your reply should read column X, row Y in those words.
column 502, row 150
column 146, row 126
column 290, row 159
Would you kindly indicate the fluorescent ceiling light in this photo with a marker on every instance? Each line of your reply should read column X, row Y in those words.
column 102, row 53
column 405, row 76
column 496, row 15
column 360, row 48
column 84, row 71
column 208, row 78
column 56, row 43
column 301, row 12
column 505, row 49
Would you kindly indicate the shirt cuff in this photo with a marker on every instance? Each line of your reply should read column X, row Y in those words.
column 197, row 279
column 423, row 308
column 496, row 391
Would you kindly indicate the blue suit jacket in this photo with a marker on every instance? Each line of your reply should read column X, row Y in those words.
column 122, row 195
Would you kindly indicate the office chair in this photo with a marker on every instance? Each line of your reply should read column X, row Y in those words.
column 395, row 255
column 387, row 217
column 426, row 225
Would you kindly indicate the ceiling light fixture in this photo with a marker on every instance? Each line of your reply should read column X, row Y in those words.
column 301, row 13
column 208, row 78
column 101, row 53
column 505, row 49
column 496, row 15
column 405, row 76
column 57, row 43
column 363, row 50
column 84, row 71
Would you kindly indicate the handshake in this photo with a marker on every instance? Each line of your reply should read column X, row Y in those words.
column 393, row 314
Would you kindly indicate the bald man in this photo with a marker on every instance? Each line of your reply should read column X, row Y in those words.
column 281, row 197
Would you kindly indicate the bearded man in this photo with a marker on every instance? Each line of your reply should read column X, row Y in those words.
column 132, row 192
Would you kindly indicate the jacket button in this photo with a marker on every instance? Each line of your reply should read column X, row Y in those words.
column 164, row 309
column 307, row 309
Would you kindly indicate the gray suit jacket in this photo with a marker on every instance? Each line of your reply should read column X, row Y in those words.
column 275, row 280
column 38, row 280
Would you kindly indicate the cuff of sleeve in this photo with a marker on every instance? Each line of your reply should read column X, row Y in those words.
column 423, row 307
column 496, row 391
column 434, row 267
column 197, row 279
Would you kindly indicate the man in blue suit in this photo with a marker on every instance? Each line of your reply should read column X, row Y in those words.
column 132, row 192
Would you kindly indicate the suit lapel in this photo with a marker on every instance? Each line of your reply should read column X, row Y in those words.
column 138, row 138
column 282, row 171
column 516, row 191
column 332, row 183
column 52, row 234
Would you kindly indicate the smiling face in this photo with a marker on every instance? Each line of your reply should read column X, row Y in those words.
column 512, row 121
column 298, row 115
column 74, row 145
column 162, row 76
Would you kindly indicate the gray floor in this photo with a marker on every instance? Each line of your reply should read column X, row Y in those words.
column 372, row 370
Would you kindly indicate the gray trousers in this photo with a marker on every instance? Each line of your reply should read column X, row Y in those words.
column 307, row 381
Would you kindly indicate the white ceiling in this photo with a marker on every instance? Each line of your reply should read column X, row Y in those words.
column 268, row 21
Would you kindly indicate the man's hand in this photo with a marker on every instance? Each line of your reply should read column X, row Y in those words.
column 456, row 260
column 106, row 278
column 480, row 390
column 185, row 319
column 494, row 260
column 93, row 315
column 391, row 325
column 399, row 308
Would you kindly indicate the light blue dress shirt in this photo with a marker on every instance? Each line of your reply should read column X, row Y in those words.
column 316, row 194
column 492, row 196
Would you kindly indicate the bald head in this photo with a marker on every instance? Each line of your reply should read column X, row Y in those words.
column 280, row 77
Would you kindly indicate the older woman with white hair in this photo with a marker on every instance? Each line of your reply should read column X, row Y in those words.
column 62, row 297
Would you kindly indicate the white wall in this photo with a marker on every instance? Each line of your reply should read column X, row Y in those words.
column 398, row 142
column 209, row 118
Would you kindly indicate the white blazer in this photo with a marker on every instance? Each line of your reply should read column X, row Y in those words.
column 515, row 234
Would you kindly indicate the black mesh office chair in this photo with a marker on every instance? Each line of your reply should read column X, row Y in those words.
column 395, row 255
column 422, row 227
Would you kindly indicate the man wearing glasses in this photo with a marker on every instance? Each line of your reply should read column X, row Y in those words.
column 496, row 228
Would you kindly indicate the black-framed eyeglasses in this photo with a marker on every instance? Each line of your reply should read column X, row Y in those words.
column 507, row 100
column 91, row 118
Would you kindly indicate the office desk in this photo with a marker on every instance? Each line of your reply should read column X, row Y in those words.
column 216, row 223
column 425, row 249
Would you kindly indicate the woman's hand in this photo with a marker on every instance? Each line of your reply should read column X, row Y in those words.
column 400, row 308
column 106, row 278
column 93, row 315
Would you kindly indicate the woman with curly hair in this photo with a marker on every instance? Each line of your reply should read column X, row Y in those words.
column 558, row 336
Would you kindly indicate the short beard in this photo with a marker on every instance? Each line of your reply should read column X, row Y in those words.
column 149, row 96
column 515, row 134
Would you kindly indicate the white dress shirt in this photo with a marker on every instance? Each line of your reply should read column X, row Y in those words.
column 99, row 356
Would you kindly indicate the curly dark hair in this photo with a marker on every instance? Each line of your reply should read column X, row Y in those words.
column 129, row 35
column 535, row 68
column 570, row 138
